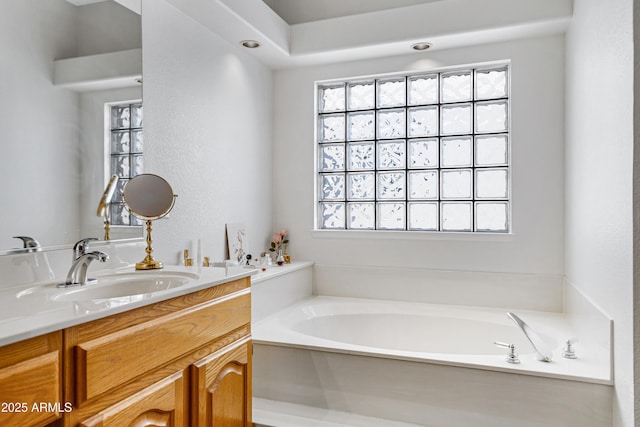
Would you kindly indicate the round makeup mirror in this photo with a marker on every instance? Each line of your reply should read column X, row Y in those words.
column 149, row 197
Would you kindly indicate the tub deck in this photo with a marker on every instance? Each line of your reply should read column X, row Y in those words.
column 309, row 324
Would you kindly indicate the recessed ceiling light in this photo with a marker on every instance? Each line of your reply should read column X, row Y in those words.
column 251, row 44
column 421, row 46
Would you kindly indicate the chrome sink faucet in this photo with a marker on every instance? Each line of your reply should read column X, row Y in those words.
column 77, row 275
column 544, row 353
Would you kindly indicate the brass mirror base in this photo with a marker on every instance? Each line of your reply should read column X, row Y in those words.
column 149, row 264
column 107, row 230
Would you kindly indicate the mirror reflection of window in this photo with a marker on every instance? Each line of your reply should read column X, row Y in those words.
column 126, row 155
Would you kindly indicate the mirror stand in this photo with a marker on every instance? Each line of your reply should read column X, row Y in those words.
column 148, row 263
column 149, row 197
column 107, row 227
column 104, row 206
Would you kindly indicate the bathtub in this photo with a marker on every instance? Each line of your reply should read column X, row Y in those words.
column 428, row 364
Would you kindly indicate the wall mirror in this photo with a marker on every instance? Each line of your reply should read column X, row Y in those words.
column 150, row 197
column 68, row 58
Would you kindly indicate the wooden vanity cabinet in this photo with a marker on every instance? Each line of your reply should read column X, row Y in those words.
column 164, row 364
column 31, row 381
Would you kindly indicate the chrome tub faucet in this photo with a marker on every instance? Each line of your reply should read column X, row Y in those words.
column 544, row 353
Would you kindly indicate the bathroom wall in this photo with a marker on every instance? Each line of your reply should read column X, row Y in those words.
column 207, row 131
column 536, row 245
column 599, row 174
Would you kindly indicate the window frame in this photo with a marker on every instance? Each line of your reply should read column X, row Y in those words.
column 473, row 134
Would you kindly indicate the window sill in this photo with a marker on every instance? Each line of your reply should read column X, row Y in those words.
column 414, row 235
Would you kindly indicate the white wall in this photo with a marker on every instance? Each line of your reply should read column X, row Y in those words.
column 207, row 131
column 537, row 90
column 599, row 172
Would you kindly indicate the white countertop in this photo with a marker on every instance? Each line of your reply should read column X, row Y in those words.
column 29, row 310
column 278, row 270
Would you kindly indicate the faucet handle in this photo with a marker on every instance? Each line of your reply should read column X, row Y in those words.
column 82, row 246
column 512, row 357
column 568, row 352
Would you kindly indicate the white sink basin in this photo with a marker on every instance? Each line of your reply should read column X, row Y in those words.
column 125, row 285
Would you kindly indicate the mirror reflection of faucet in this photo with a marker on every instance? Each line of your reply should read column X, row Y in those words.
column 29, row 243
column 36, row 259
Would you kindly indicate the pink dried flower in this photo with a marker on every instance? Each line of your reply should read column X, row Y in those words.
column 279, row 240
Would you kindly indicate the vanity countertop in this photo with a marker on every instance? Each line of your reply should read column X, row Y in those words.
column 33, row 309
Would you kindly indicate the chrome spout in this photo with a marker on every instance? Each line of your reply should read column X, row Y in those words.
column 77, row 275
column 544, row 353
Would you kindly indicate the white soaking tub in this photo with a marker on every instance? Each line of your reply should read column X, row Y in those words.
column 428, row 364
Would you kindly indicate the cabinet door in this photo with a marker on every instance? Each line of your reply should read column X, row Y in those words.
column 30, row 381
column 160, row 405
column 221, row 388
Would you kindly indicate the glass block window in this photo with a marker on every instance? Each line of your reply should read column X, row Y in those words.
column 420, row 152
column 126, row 155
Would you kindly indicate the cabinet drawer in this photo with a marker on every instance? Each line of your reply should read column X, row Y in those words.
column 30, row 391
column 114, row 359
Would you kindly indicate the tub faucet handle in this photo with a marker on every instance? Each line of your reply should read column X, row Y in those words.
column 512, row 357
column 569, row 352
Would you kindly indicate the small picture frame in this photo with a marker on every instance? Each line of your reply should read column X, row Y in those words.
column 235, row 241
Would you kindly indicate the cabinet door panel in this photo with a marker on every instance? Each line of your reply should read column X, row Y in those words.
column 25, row 386
column 221, row 388
column 160, row 405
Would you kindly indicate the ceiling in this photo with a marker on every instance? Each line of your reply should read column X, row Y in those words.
column 295, row 33
column 301, row 11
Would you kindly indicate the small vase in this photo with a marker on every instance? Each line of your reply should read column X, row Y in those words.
column 280, row 258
